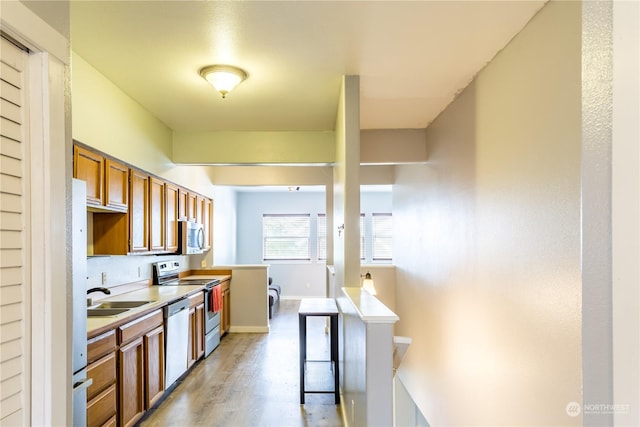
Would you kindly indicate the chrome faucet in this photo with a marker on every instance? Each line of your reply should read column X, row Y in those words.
column 105, row 291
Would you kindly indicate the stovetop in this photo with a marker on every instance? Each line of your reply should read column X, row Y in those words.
column 165, row 273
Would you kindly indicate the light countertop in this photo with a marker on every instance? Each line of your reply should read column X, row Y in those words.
column 158, row 295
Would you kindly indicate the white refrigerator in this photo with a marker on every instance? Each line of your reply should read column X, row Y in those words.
column 79, row 277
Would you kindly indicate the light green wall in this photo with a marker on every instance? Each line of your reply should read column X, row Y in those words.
column 253, row 147
column 109, row 120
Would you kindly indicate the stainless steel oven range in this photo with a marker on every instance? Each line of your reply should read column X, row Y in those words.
column 165, row 273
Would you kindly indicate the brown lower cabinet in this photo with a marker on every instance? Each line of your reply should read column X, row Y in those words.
column 225, row 316
column 127, row 366
column 102, row 393
column 140, row 366
column 196, row 328
column 131, row 374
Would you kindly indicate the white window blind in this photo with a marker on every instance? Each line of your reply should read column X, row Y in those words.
column 362, row 246
column 382, row 236
column 322, row 236
column 285, row 237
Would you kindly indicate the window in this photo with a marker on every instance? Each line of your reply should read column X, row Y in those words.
column 362, row 236
column 285, row 237
column 322, row 236
column 381, row 230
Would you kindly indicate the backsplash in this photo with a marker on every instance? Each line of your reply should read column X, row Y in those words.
column 119, row 270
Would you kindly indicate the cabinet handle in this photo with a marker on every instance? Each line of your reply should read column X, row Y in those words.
column 84, row 383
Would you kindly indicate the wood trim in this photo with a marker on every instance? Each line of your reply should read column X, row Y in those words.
column 154, row 366
column 212, row 272
column 196, row 299
column 103, row 373
column 139, row 326
column 131, row 385
column 102, row 409
column 101, row 345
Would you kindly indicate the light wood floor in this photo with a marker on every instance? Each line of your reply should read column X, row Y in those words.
column 252, row 380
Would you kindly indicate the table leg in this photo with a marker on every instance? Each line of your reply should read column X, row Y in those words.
column 334, row 357
column 302, row 342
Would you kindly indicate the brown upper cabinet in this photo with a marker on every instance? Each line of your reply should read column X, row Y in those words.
column 172, row 216
column 139, row 212
column 157, row 215
column 183, row 203
column 192, row 206
column 207, row 221
column 107, row 180
column 135, row 212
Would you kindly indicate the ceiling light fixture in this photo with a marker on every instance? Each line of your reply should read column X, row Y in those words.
column 223, row 77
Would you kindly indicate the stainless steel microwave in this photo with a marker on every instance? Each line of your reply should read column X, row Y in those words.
column 191, row 238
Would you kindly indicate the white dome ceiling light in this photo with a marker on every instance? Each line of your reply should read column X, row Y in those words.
column 223, row 77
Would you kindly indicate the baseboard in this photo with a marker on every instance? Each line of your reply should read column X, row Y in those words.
column 249, row 329
column 343, row 410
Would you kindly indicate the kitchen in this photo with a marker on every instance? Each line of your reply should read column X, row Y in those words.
column 181, row 317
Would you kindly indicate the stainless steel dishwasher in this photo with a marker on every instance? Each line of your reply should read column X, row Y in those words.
column 176, row 321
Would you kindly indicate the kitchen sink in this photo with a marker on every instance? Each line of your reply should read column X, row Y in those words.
column 121, row 304
column 113, row 308
column 97, row 312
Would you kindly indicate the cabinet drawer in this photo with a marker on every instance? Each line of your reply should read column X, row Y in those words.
column 113, row 422
column 225, row 285
column 101, row 345
column 196, row 299
column 102, row 408
column 103, row 374
column 139, row 326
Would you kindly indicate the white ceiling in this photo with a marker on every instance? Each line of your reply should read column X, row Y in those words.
column 412, row 57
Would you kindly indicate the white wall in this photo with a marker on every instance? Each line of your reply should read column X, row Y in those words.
column 626, row 211
column 487, row 240
column 297, row 279
column 301, row 278
column 224, row 226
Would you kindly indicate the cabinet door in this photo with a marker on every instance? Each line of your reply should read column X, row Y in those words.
column 207, row 223
column 131, row 387
column 103, row 374
column 101, row 410
column 157, row 223
column 101, row 395
column 225, row 316
column 139, row 212
column 191, row 355
column 200, row 209
column 116, row 186
column 172, row 215
column 89, row 167
column 192, row 206
column 199, row 332
column 183, row 204
column 154, row 365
